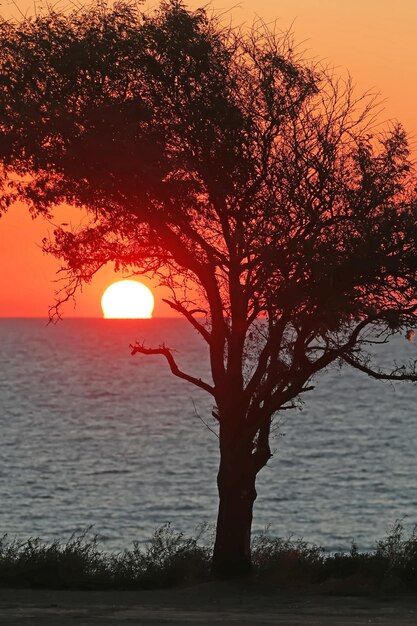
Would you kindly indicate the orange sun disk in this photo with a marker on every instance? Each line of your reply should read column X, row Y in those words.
column 127, row 299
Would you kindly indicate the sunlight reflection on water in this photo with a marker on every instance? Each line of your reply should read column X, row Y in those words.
column 91, row 435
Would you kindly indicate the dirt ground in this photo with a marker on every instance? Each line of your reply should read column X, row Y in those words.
column 210, row 603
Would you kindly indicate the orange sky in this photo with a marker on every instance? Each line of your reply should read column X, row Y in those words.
column 376, row 40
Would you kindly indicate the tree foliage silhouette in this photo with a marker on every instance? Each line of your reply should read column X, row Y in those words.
column 250, row 181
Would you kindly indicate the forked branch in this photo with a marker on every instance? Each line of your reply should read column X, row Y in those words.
column 166, row 352
column 189, row 315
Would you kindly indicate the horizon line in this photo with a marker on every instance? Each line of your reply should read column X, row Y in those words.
column 90, row 317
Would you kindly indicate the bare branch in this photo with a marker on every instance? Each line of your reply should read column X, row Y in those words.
column 177, row 306
column 204, row 422
column 379, row 375
column 166, row 352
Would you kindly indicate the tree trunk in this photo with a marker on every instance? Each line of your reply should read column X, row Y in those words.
column 237, row 493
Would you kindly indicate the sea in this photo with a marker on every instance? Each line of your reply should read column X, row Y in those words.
column 94, row 438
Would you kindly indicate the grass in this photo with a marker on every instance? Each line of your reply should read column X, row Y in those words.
column 168, row 559
column 171, row 559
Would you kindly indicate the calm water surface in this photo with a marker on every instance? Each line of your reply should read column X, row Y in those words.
column 91, row 435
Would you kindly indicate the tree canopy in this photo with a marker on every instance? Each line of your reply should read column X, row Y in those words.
column 254, row 184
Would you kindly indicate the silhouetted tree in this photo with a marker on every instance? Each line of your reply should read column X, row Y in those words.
column 239, row 174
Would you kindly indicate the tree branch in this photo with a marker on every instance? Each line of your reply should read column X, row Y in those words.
column 166, row 352
column 379, row 375
column 206, row 275
column 177, row 306
column 270, row 349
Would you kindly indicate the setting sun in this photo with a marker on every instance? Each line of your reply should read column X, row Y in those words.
column 127, row 299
